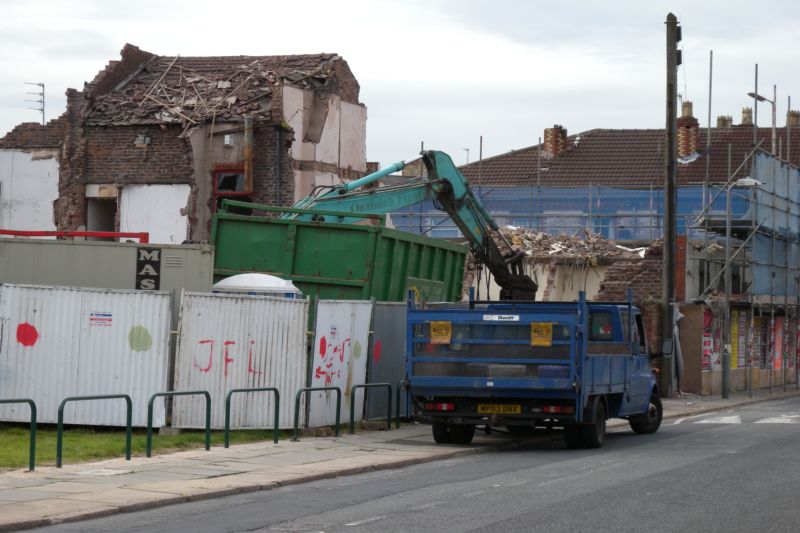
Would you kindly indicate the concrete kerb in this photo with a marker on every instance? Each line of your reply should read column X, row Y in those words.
column 400, row 463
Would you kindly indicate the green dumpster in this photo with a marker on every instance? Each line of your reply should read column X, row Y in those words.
column 337, row 261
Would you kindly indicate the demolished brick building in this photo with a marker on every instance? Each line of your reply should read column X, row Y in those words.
column 154, row 143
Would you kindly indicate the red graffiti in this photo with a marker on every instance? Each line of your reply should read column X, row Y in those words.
column 376, row 352
column 27, row 334
column 332, row 353
column 250, row 369
column 323, row 346
column 210, row 355
column 225, row 359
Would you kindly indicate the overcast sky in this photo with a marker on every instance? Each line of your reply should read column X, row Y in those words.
column 440, row 71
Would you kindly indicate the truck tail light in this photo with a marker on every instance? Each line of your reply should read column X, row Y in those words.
column 558, row 409
column 440, row 406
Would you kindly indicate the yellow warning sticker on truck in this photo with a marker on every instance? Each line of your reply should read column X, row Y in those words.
column 541, row 333
column 441, row 331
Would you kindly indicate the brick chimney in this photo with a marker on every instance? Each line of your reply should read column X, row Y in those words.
column 688, row 131
column 555, row 141
column 747, row 116
column 724, row 121
column 793, row 121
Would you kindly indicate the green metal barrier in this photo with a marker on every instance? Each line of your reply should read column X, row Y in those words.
column 128, row 418
column 170, row 394
column 365, row 387
column 400, row 386
column 32, row 452
column 296, row 434
column 228, row 411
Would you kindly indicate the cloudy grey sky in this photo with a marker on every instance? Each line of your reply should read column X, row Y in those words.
column 440, row 71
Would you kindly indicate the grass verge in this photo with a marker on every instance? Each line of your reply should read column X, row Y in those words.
column 92, row 444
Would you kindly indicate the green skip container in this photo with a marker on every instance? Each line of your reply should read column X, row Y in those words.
column 336, row 261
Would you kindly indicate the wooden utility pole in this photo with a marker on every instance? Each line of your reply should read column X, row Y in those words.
column 670, row 206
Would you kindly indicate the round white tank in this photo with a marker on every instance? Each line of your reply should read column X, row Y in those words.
column 257, row 284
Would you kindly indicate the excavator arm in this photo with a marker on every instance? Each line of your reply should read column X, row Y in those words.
column 451, row 193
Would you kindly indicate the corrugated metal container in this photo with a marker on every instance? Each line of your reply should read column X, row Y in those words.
column 233, row 342
column 339, row 261
column 387, row 358
column 64, row 341
column 341, row 343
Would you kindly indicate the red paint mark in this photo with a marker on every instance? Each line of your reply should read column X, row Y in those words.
column 323, row 346
column 210, row 354
column 225, row 359
column 27, row 334
column 376, row 352
column 250, row 369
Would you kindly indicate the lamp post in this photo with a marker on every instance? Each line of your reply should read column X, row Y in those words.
column 726, row 350
column 758, row 98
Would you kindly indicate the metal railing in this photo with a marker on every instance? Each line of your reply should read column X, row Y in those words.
column 128, row 419
column 275, row 431
column 177, row 393
column 32, row 439
column 296, row 432
column 367, row 387
column 399, row 392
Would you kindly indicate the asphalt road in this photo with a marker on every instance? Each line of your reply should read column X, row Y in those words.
column 729, row 471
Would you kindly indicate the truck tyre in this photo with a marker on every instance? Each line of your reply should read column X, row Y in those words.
column 441, row 435
column 461, row 434
column 594, row 435
column 650, row 421
column 572, row 437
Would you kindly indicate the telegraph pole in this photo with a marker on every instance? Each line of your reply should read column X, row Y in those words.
column 670, row 206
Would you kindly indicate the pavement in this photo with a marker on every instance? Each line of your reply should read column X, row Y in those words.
column 52, row 495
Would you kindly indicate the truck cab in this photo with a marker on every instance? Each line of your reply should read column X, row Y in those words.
column 523, row 365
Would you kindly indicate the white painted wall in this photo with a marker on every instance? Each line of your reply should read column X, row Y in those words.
column 567, row 280
column 343, row 141
column 157, row 209
column 28, row 188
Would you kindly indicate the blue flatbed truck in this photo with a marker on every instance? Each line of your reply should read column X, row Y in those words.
column 522, row 365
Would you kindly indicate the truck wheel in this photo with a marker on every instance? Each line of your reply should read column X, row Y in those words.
column 594, row 434
column 441, row 435
column 461, row 434
column 650, row 421
column 572, row 437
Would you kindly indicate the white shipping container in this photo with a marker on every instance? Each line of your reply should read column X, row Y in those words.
column 341, row 343
column 233, row 342
column 57, row 342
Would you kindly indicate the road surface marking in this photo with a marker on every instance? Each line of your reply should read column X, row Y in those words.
column 721, row 420
column 366, row 521
column 678, row 421
column 782, row 419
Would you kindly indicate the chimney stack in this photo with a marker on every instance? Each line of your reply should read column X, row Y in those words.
column 555, row 141
column 793, row 121
column 747, row 116
column 725, row 121
column 688, row 131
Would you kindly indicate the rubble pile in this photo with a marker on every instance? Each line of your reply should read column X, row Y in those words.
column 586, row 246
column 189, row 92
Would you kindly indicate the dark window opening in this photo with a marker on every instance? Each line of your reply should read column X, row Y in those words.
column 230, row 182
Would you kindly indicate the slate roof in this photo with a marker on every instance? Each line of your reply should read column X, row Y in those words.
column 623, row 158
column 150, row 89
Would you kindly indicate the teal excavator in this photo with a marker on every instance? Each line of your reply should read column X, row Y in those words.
column 449, row 191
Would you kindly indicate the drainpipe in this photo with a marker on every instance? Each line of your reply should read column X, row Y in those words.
column 279, row 168
column 248, row 153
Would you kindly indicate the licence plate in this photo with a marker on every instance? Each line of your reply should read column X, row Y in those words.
column 498, row 409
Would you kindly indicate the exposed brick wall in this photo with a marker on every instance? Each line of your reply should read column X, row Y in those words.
column 112, row 156
column 270, row 143
column 348, row 85
column 34, row 135
column 118, row 71
column 641, row 275
column 70, row 208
